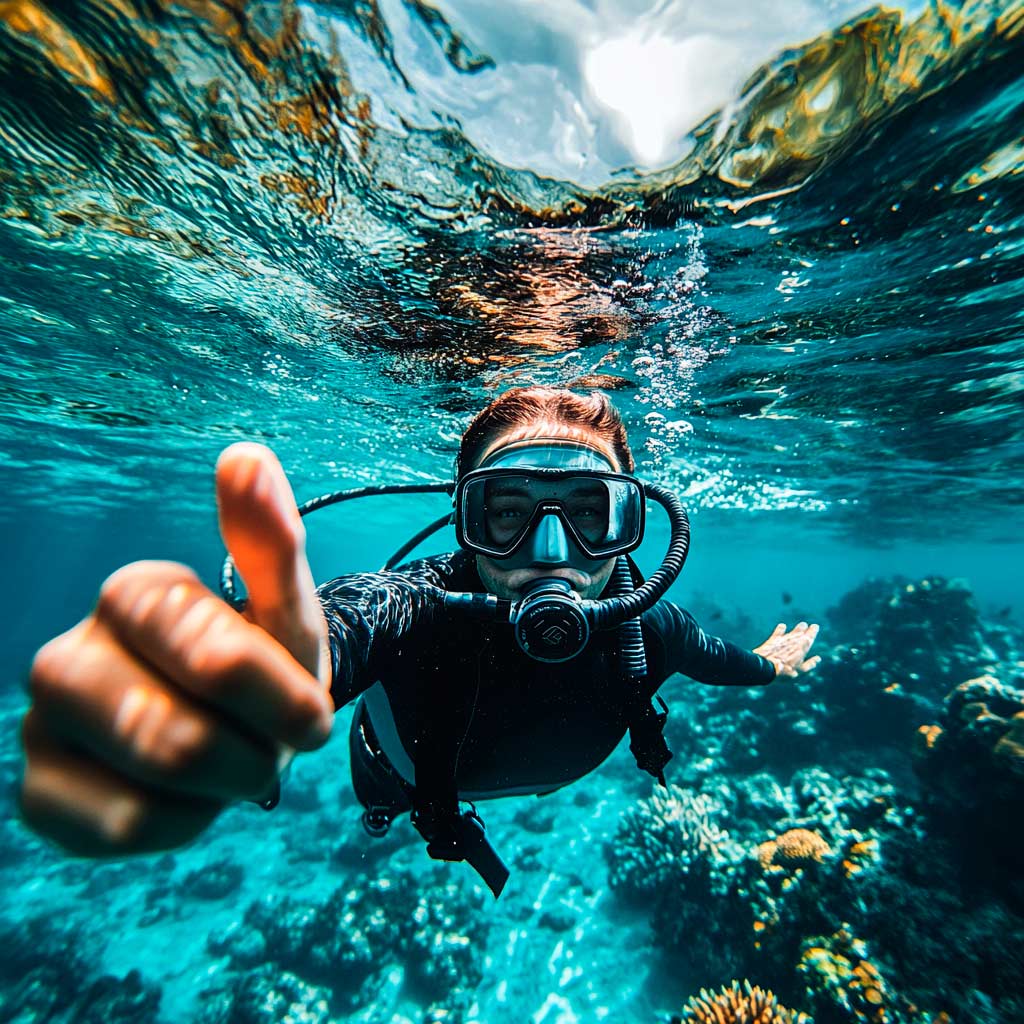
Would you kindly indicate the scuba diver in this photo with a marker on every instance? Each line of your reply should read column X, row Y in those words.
column 514, row 665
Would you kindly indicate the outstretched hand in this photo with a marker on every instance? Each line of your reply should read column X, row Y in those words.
column 788, row 651
column 164, row 704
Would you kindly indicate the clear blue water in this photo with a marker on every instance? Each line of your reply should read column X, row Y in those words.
column 341, row 228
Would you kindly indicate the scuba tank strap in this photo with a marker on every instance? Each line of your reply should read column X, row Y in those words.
column 451, row 834
column 647, row 738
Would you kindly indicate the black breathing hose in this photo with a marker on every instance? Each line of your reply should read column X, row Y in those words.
column 614, row 611
column 227, row 571
column 414, row 542
column 632, row 656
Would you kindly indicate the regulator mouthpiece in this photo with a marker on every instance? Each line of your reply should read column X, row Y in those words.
column 549, row 622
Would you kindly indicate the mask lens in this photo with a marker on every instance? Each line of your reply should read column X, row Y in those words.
column 586, row 503
column 499, row 508
column 508, row 506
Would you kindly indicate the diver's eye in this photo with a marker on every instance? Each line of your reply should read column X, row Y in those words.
column 506, row 513
column 506, row 518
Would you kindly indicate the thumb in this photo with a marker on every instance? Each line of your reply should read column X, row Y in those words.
column 264, row 533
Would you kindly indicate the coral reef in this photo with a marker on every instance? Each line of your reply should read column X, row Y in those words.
column 794, row 846
column 49, row 972
column 839, row 976
column 929, row 899
column 894, row 649
column 854, row 875
column 670, row 847
column 269, row 996
column 422, row 924
column 921, row 638
column 738, row 1004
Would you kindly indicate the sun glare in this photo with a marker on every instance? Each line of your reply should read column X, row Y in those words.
column 659, row 86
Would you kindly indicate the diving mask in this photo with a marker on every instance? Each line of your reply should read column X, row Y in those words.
column 549, row 502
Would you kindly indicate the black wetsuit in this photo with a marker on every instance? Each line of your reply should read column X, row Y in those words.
column 515, row 725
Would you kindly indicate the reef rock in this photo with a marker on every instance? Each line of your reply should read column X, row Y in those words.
column 922, row 637
column 423, row 924
column 972, row 765
column 269, row 996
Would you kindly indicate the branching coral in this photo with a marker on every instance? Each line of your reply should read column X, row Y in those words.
column 663, row 839
column 670, row 851
column 738, row 1004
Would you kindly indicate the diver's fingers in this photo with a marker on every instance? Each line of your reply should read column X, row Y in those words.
column 811, row 663
column 91, row 811
column 264, row 533
column 165, row 616
column 779, row 630
column 92, row 694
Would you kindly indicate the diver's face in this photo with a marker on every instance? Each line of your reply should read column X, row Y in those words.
column 511, row 583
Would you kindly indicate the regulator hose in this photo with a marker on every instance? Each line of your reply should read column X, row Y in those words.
column 614, row 611
column 632, row 655
column 227, row 572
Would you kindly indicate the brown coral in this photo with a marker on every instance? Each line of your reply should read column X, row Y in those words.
column 796, row 847
column 739, row 1004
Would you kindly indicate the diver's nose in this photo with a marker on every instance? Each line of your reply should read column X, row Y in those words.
column 550, row 544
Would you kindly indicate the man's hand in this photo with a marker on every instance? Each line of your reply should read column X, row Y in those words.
column 788, row 651
column 164, row 704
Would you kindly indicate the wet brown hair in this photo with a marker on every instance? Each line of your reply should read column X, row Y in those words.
column 544, row 411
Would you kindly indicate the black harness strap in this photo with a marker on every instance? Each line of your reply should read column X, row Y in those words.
column 451, row 834
column 646, row 736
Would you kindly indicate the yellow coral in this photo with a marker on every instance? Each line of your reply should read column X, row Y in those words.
column 797, row 846
column 928, row 736
column 739, row 1004
column 867, row 981
column 847, row 979
column 859, row 855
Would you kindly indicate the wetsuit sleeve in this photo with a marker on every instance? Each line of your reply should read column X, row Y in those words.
column 367, row 615
column 675, row 643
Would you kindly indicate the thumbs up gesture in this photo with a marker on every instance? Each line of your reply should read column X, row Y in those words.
column 165, row 704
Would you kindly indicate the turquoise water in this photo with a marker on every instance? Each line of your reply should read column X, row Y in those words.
column 794, row 258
